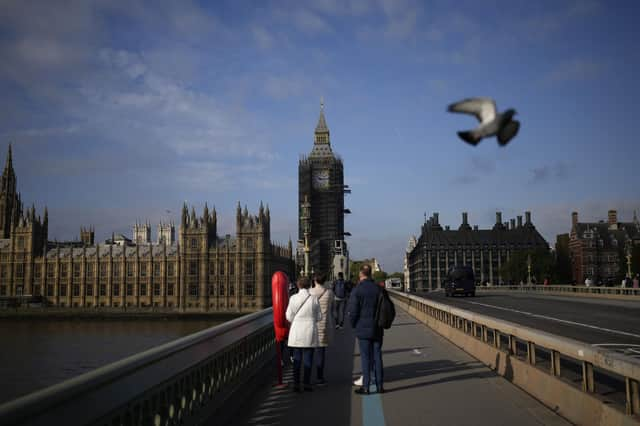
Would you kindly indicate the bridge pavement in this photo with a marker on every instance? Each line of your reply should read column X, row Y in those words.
column 428, row 380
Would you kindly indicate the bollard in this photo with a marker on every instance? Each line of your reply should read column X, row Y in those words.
column 633, row 396
column 555, row 363
column 588, row 384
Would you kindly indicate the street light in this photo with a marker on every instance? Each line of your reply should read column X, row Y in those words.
column 628, row 259
column 529, row 269
column 305, row 218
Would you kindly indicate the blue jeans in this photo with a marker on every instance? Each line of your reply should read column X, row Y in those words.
column 339, row 311
column 371, row 358
column 301, row 355
column 320, row 351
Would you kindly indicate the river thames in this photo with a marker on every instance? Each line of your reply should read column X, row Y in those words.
column 36, row 353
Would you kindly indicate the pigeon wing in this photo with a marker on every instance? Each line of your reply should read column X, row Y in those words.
column 508, row 132
column 484, row 109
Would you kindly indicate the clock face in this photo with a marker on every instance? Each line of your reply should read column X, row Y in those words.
column 321, row 179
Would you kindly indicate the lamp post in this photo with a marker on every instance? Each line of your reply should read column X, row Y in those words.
column 529, row 269
column 305, row 217
column 628, row 259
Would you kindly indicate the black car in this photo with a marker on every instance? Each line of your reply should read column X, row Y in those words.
column 460, row 280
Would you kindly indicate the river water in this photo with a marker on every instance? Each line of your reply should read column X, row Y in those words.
column 39, row 353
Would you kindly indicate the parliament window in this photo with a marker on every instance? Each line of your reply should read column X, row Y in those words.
column 170, row 269
column 103, row 290
column 249, row 243
column 143, row 289
column 212, row 290
column 129, row 269
column 212, row 268
column 193, row 290
column 221, row 269
column 232, row 268
column 116, row 289
column 221, row 292
column 63, row 290
column 156, row 289
column 37, row 271
column 194, row 243
column 232, row 289
column 50, row 270
column 63, row 271
column 50, row 290
column 156, row 269
column 143, row 269
column 36, row 290
column 4, row 271
column 89, row 270
column 193, row 268
column 116, row 271
column 3, row 290
column 20, row 242
column 19, row 270
column 89, row 290
column 248, row 267
column 103, row 270
column 76, row 270
column 249, row 288
column 129, row 289
column 170, row 289
column 76, row 290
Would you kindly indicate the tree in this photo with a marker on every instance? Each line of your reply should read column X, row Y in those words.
column 542, row 266
column 379, row 276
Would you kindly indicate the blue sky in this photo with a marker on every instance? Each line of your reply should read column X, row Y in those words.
column 120, row 111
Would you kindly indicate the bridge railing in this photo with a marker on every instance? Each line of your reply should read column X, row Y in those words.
column 565, row 289
column 521, row 341
column 181, row 382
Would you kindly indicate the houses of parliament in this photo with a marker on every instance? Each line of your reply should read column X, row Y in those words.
column 200, row 271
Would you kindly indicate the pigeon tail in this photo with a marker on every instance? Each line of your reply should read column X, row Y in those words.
column 470, row 137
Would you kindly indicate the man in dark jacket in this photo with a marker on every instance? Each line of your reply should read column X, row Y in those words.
column 362, row 313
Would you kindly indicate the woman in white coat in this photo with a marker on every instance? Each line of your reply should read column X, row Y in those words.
column 325, row 326
column 303, row 313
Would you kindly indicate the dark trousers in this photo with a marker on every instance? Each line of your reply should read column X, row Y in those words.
column 300, row 356
column 371, row 358
column 339, row 311
column 320, row 354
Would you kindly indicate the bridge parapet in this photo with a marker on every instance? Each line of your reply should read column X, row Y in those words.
column 517, row 352
column 181, row 382
column 570, row 290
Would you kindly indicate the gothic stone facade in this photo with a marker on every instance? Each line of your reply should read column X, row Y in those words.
column 485, row 250
column 202, row 272
column 321, row 182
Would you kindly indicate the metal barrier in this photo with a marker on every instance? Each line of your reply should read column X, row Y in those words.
column 565, row 289
column 521, row 340
column 181, row 382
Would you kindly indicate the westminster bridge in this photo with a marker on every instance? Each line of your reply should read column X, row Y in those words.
column 489, row 360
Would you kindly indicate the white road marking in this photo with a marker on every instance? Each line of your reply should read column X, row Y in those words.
column 622, row 333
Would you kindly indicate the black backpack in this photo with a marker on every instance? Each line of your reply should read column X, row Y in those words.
column 385, row 310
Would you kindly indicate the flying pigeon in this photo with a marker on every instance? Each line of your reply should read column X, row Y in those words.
column 491, row 123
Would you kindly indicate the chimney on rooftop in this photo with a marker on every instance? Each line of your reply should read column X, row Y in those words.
column 613, row 219
column 498, row 218
column 435, row 218
column 574, row 218
column 527, row 218
column 513, row 224
column 519, row 221
column 465, row 218
column 475, row 227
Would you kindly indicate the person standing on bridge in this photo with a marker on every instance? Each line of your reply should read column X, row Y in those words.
column 325, row 325
column 362, row 314
column 303, row 313
column 341, row 296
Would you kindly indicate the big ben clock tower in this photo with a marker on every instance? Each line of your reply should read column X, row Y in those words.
column 321, row 183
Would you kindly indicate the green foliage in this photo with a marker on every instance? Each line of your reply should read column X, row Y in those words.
column 379, row 276
column 542, row 266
